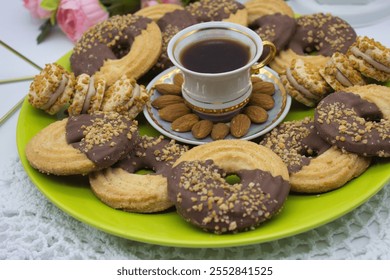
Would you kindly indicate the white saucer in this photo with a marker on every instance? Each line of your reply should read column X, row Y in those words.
column 275, row 115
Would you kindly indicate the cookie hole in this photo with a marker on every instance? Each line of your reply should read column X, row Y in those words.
column 121, row 49
column 372, row 117
column 232, row 179
column 144, row 171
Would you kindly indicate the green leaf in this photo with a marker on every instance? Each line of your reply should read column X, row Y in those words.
column 45, row 31
column 121, row 7
column 50, row 5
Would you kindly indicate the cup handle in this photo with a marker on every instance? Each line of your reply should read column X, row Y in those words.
column 272, row 52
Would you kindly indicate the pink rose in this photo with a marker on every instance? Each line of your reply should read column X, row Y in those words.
column 76, row 16
column 35, row 9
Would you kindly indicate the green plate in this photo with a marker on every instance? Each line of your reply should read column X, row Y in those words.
column 301, row 212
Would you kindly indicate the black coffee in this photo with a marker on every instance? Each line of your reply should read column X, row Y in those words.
column 215, row 56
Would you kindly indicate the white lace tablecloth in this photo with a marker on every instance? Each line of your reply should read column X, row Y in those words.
column 32, row 227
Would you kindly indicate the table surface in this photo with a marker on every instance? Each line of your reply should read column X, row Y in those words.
column 31, row 227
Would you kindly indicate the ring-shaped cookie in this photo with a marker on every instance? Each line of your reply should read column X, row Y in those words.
column 121, row 187
column 155, row 12
column 122, row 45
column 316, row 38
column 323, row 34
column 204, row 198
column 219, row 10
column 81, row 144
column 357, row 120
column 258, row 8
column 277, row 28
column 314, row 165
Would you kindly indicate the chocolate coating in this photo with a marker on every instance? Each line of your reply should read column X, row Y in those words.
column 157, row 154
column 323, row 34
column 203, row 197
column 103, row 138
column 353, row 124
column 213, row 10
column 170, row 24
column 296, row 142
column 276, row 28
column 110, row 39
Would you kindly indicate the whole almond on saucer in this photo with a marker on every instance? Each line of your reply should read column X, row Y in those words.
column 263, row 100
column 166, row 88
column 165, row 100
column 202, row 129
column 219, row 131
column 184, row 123
column 264, row 88
column 256, row 114
column 173, row 111
column 256, row 79
column 239, row 125
column 178, row 79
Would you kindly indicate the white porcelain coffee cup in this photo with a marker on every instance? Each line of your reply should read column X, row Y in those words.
column 218, row 95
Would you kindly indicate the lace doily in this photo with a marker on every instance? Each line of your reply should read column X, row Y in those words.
column 32, row 227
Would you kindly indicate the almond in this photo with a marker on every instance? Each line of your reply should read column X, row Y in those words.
column 239, row 125
column 173, row 111
column 178, row 79
column 256, row 114
column 264, row 88
column 202, row 129
column 168, row 89
column 265, row 101
column 185, row 123
column 165, row 100
column 219, row 131
column 255, row 79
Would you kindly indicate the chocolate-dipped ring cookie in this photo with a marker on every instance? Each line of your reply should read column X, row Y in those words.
column 170, row 24
column 81, row 144
column 202, row 196
column 313, row 164
column 276, row 28
column 219, row 10
column 322, row 33
column 122, row 45
column 357, row 120
column 122, row 188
